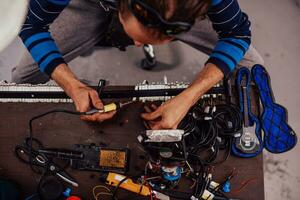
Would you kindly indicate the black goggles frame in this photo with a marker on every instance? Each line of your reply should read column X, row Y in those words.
column 152, row 19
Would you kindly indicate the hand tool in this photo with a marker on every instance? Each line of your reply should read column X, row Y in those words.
column 31, row 156
column 108, row 108
column 248, row 143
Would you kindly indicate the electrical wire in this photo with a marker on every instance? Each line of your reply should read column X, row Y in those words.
column 243, row 185
column 203, row 130
column 31, row 139
column 97, row 195
column 31, row 197
column 102, row 193
column 206, row 129
column 117, row 187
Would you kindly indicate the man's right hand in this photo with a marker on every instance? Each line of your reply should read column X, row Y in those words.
column 84, row 97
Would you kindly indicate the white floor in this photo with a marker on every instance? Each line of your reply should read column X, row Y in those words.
column 276, row 31
column 275, row 27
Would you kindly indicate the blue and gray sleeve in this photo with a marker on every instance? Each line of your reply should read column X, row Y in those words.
column 36, row 36
column 233, row 29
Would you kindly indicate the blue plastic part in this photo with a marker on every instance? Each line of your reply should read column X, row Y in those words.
column 171, row 177
column 279, row 137
column 67, row 192
column 226, row 187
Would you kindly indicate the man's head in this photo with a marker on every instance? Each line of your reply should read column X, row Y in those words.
column 134, row 18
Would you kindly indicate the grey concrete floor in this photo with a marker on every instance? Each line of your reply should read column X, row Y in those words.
column 275, row 27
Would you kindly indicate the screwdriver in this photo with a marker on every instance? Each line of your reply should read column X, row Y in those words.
column 108, row 108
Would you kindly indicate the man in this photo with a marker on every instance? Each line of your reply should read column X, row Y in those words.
column 85, row 23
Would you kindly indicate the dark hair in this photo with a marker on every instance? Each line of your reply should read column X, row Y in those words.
column 184, row 10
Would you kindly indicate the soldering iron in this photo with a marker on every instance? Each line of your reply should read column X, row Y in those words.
column 108, row 108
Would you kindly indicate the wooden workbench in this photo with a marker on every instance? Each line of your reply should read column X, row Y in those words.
column 63, row 131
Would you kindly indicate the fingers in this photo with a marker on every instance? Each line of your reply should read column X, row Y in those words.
column 95, row 99
column 82, row 98
column 146, row 124
column 97, row 103
column 158, row 125
column 155, row 125
column 151, row 116
column 147, row 109
column 99, row 117
column 154, row 107
column 87, row 98
column 83, row 105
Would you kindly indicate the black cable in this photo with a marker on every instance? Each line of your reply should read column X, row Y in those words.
column 201, row 131
column 31, row 138
column 228, row 118
column 207, row 130
column 117, row 187
column 202, row 135
column 227, row 154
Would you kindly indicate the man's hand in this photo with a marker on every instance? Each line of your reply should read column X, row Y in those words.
column 84, row 97
column 170, row 114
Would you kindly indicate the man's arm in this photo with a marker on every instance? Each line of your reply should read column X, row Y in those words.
column 83, row 96
column 233, row 28
column 37, row 38
column 173, row 111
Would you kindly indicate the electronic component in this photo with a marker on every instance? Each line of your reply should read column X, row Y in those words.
column 101, row 159
column 11, row 92
column 126, row 183
column 171, row 174
column 164, row 135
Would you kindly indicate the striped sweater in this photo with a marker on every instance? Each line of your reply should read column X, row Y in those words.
column 231, row 24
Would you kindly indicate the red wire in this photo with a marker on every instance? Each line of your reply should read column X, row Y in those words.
column 150, row 189
column 244, row 184
column 151, row 197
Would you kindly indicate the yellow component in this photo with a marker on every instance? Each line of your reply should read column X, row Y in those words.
column 114, row 179
column 110, row 107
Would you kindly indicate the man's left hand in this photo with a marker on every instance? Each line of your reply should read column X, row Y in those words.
column 168, row 115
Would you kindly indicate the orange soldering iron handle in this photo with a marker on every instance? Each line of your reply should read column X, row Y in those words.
column 114, row 179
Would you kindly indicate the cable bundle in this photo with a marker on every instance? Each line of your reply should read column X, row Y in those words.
column 209, row 129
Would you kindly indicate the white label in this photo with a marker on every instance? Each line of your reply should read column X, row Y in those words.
column 207, row 195
column 213, row 185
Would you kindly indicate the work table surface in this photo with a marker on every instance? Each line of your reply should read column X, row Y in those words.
column 63, row 131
